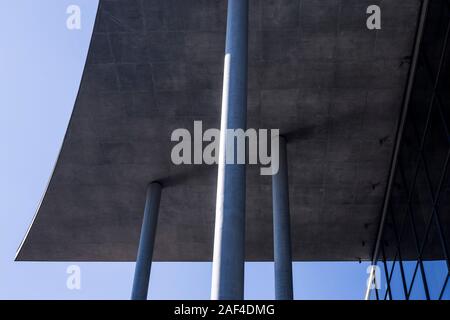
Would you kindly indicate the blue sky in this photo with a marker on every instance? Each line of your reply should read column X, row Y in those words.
column 41, row 63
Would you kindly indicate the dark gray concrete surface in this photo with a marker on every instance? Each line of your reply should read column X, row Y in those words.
column 315, row 71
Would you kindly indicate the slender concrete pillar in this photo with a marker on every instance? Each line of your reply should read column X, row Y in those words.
column 146, row 242
column 229, row 235
column 282, row 228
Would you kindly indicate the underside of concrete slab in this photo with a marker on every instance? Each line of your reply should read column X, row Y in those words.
column 333, row 87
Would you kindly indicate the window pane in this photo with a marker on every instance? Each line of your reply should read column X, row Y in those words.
column 408, row 246
column 409, row 155
column 396, row 283
column 408, row 268
column 434, row 33
column 418, row 110
column 436, row 272
column 446, row 295
column 398, row 204
column 444, row 93
column 434, row 261
column 421, row 203
column 444, row 209
column 417, row 290
column 435, row 148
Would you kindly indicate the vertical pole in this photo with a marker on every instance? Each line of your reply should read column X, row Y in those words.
column 146, row 242
column 282, row 228
column 229, row 234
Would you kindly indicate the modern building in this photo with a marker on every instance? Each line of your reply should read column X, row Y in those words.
column 363, row 114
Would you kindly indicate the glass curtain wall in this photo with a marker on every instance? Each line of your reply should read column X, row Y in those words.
column 414, row 255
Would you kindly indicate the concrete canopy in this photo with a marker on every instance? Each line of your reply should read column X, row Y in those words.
column 315, row 71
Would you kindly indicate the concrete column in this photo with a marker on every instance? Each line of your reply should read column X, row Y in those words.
column 282, row 228
column 229, row 235
column 146, row 242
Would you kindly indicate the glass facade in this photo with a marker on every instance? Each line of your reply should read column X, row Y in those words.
column 414, row 250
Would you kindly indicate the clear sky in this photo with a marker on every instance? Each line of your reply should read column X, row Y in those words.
column 41, row 63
